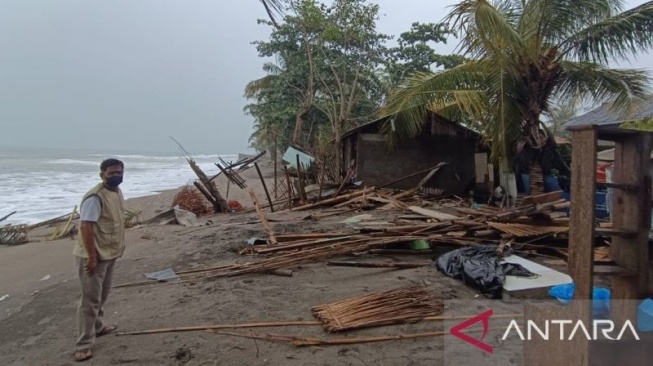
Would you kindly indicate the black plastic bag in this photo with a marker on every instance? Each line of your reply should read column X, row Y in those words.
column 478, row 266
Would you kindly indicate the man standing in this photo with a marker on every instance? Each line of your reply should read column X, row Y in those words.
column 101, row 242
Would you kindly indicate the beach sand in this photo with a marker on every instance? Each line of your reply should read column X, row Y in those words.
column 38, row 319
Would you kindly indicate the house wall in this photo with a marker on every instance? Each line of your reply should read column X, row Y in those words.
column 378, row 164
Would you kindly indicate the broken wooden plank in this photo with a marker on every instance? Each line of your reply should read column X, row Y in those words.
column 542, row 198
column 427, row 177
column 433, row 214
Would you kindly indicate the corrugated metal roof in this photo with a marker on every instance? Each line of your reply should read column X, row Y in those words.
column 606, row 115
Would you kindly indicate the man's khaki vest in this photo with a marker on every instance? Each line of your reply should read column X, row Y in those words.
column 110, row 228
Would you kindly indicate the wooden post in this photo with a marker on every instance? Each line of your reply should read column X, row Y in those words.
column 302, row 193
column 581, row 224
column 276, row 187
column 265, row 187
column 631, row 213
column 319, row 195
column 289, row 187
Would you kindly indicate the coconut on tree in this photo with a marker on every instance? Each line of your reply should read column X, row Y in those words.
column 522, row 55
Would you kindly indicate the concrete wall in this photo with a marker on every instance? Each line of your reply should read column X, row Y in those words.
column 377, row 164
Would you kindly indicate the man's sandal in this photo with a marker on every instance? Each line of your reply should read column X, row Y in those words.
column 106, row 330
column 81, row 356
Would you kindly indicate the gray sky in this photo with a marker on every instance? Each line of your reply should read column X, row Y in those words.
column 126, row 74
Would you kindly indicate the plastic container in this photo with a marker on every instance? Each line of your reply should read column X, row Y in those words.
column 645, row 316
column 419, row 245
column 600, row 296
column 551, row 184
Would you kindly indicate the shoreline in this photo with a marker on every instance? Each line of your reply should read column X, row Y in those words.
column 153, row 204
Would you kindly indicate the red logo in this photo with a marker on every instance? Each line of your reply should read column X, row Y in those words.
column 483, row 318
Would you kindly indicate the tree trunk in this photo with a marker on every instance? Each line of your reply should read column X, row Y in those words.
column 507, row 181
column 338, row 155
column 536, row 178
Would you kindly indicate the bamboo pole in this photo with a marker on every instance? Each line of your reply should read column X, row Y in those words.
column 289, row 187
column 400, row 265
column 3, row 218
column 334, row 200
column 282, row 324
column 411, row 175
column 265, row 187
column 264, row 220
column 219, row 326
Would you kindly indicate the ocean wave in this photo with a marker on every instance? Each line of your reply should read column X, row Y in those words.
column 72, row 162
column 168, row 157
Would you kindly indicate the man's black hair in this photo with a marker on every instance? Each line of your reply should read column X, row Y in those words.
column 110, row 162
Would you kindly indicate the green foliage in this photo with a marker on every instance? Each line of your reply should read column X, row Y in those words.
column 520, row 56
column 415, row 51
column 332, row 70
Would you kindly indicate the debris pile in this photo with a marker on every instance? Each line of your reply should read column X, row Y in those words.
column 190, row 199
column 402, row 305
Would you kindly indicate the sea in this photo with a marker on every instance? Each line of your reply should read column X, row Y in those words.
column 41, row 184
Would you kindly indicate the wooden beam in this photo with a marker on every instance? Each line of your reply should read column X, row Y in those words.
column 581, row 223
column 539, row 352
column 631, row 213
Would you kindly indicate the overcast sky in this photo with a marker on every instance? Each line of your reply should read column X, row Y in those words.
column 126, row 74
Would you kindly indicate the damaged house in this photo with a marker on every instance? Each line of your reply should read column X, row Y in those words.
column 374, row 162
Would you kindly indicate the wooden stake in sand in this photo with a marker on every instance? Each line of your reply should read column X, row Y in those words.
column 265, row 187
column 264, row 220
column 402, row 305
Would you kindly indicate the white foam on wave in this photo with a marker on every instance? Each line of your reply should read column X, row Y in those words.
column 53, row 189
column 72, row 162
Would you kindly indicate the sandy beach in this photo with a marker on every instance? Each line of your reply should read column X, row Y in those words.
column 38, row 320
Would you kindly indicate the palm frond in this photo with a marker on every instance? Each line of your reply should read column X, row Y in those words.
column 617, row 37
column 273, row 8
column 255, row 86
column 556, row 20
column 488, row 30
column 421, row 92
column 589, row 80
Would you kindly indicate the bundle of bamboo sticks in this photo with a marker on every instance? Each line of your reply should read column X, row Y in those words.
column 402, row 305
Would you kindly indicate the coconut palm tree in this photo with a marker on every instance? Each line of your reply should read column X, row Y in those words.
column 273, row 8
column 521, row 55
